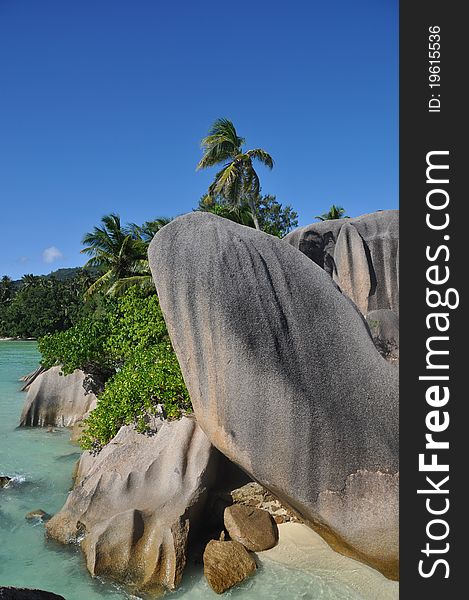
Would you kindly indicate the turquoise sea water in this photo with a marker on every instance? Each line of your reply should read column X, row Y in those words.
column 41, row 463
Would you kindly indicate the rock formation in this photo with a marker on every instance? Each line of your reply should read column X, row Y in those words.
column 226, row 564
column 57, row 400
column 284, row 378
column 252, row 527
column 136, row 502
column 361, row 254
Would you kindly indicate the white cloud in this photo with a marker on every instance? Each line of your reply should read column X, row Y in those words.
column 51, row 254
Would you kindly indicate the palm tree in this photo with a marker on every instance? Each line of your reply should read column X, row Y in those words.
column 237, row 183
column 121, row 252
column 113, row 250
column 335, row 212
column 29, row 280
column 6, row 289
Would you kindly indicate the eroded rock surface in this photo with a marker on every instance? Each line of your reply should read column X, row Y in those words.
column 284, row 378
column 55, row 400
column 361, row 254
column 384, row 327
column 135, row 503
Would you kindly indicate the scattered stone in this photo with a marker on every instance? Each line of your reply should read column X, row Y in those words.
column 226, row 564
column 360, row 254
column 11, row 593
column 252, row 527
column 37, row 514
column 253, row 494
column 4, row 481
column 284, row 376
column 133, row 504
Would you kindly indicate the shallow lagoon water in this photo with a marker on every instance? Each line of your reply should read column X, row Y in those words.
column 41, row 463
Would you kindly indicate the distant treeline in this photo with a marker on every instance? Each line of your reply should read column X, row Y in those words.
column 37, row 305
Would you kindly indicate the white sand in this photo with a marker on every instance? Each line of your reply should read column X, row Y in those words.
column 301, row 548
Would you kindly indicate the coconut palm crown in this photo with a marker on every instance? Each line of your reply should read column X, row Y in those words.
column 335, row 212
column 237, row 182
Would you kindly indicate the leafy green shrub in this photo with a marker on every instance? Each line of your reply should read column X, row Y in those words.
column 81, row 347
column 152, row 376
column 129, row 346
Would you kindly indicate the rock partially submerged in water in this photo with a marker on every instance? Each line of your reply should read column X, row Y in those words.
column 37, row 515
column 361, row 254
column 4, row 481
column 12, row 593
column 284, row 378
column 226, row 564
column 56, row 400
column 135, row 504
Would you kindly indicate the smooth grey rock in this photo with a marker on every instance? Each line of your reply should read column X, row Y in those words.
column 57, row 400
column 284, row 378
column 12, row 593
column 361, row 254
column 134, row 503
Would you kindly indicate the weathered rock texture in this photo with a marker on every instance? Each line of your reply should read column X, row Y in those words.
column 11, row 593
column 284, row 378
column 384, row 327
column 136, row 501
column 361, row 254
column 57, row 400
column 252, row 527
column 226, row 564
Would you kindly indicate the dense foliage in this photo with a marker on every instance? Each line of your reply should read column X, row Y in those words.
column 273, row 217
column 128, row 347
column 38, row 305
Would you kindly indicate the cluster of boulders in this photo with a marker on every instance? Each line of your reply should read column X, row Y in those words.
column 362, row 256
column 288, row 387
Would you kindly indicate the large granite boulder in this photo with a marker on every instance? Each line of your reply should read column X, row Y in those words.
column 135, row 503
column 284, row 378
column 57, row 400
column 361, row 254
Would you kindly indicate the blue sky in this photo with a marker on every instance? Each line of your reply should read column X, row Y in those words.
column 103, row 104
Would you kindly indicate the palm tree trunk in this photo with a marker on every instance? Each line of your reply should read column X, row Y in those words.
column 254, row 215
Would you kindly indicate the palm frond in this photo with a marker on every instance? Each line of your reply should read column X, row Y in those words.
column 262, row 156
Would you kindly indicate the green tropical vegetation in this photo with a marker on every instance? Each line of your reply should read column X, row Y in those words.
column 237, row 183
column 273, row 217
column 335, row 212
column 37, row 305
column 120, row 254
column 126, row 348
